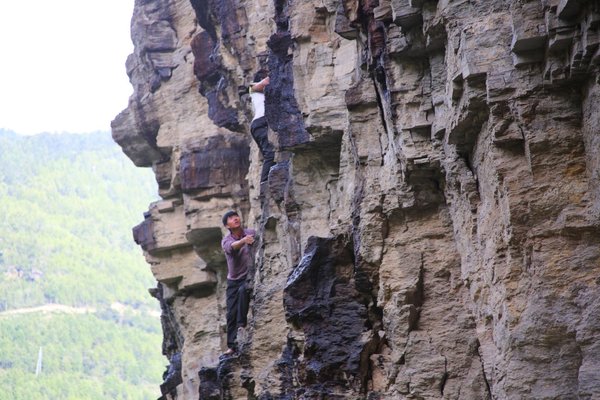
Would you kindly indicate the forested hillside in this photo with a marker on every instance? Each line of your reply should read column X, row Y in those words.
column 76, row 319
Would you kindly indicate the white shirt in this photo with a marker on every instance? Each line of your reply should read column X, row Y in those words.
column 258, row 104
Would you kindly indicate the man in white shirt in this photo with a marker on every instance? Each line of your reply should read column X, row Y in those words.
column 259, row 127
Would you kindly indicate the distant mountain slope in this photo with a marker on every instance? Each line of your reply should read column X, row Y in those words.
column 72, row 281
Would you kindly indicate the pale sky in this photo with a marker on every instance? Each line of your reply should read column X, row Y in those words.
column 62, row 64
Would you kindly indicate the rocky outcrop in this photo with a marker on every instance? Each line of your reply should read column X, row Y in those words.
column 431, row 228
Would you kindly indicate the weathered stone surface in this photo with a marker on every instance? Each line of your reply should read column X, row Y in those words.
column 215, row 162
column 281, row 107
column 431, row 227
column 321, row 300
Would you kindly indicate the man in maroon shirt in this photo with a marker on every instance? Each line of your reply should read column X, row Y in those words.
column 238, row 253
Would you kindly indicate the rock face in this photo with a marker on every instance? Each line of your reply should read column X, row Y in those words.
column 431, row 228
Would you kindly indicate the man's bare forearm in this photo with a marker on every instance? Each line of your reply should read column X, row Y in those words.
column 240, row 243
column 260, row 86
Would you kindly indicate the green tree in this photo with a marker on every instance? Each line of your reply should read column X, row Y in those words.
column 68, row 205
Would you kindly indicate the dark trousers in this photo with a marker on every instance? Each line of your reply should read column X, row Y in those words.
column 237, row 308
column 260, row 133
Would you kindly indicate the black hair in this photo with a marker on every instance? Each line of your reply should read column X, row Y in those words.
column 260, row 75
column 227, row 215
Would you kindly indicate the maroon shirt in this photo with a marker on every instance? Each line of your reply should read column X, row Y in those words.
column 238, row 261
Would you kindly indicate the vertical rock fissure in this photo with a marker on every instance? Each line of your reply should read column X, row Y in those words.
column 380, row 105
column 375, row 45
column 444, row 377
column 483, row 372
column 366, row 282
column 417, row 298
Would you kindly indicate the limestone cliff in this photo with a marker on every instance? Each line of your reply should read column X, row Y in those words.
column 431, row 228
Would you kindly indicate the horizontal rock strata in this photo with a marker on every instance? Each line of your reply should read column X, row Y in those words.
column 431, row 227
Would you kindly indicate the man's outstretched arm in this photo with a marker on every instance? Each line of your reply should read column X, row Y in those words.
column 260, row 86
column 245, row 240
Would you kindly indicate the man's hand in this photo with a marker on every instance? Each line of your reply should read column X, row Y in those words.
column 248, row 239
